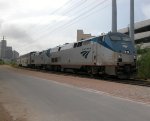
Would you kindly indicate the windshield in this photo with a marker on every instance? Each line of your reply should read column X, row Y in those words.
column 114, row 37
column 119, row 37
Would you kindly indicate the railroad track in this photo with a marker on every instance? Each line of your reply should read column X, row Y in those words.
column 138, row 82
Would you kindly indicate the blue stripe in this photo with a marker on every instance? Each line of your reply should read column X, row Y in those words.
column 115, row 46
column 103, row 43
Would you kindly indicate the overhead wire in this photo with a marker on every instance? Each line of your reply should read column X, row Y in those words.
column 54, row 26
column 81, row 17
column 68, row 26
column 79, row 10
column 71, row 9
column 84, row 14
column 74, row 6
column 77, row 17
column 54, row 12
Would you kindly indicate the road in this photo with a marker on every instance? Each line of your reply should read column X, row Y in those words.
column 46, row 100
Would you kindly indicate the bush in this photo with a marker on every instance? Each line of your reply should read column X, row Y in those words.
column 143, row 51
column 144, row 64
column 13, row 64
column 1, row 62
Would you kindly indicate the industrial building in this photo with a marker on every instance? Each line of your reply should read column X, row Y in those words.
column 6, row 52
column 82, row 36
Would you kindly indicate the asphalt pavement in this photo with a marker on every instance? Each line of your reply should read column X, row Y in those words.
column 51, row 101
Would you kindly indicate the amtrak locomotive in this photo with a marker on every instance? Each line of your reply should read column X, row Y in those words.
column 111, row 54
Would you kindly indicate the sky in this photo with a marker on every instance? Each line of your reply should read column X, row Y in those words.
column 36, row 25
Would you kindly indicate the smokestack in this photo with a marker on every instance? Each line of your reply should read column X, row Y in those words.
column 114, row 16
column 132, row 20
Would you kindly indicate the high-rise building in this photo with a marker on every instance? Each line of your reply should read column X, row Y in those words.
column 3, row 44
column 6, row 52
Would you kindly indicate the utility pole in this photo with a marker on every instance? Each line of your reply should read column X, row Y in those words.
column 114, row 16
column 132, row 20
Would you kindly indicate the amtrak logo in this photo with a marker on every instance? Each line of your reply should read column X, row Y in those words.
column 85, row 52
column 125, row 46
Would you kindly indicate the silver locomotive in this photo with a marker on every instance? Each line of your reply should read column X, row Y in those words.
column 111, row 54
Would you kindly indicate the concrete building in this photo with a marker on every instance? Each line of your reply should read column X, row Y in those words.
column 6, row 52
column 82, row 36
column 3, row 44
column 15, row 55
column 142, row 33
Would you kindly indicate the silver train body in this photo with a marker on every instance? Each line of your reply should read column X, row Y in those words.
column 111, row 54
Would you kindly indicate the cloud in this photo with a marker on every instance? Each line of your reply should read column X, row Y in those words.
column 4, row 5
column 146, row 11
column 40, row 5
column 17, row 37
column 39, row 19
column 1, row 22
column 15, row 32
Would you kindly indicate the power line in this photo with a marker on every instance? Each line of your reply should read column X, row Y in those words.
column 73, row 7
column 55, row 11
column 81, row 17
column 83, row 13
column 78, row 17
column 68, row 26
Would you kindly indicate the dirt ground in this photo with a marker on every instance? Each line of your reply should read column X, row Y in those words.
column 4, row 115
column 10, row 103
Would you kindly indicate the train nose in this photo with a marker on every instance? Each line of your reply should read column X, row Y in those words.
column 127, row 69
column 127, row 58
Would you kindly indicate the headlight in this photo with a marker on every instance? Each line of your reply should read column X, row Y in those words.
column 127, row 51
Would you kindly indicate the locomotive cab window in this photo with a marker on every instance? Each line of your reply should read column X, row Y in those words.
column 115, row 38
column 75, row 45
column 100, row 39
column 48, row 52
column 53, row 60
column 86, row 42
column 59, row 48
column 79, row 44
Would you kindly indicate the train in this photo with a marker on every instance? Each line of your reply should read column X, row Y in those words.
column 112, row 54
